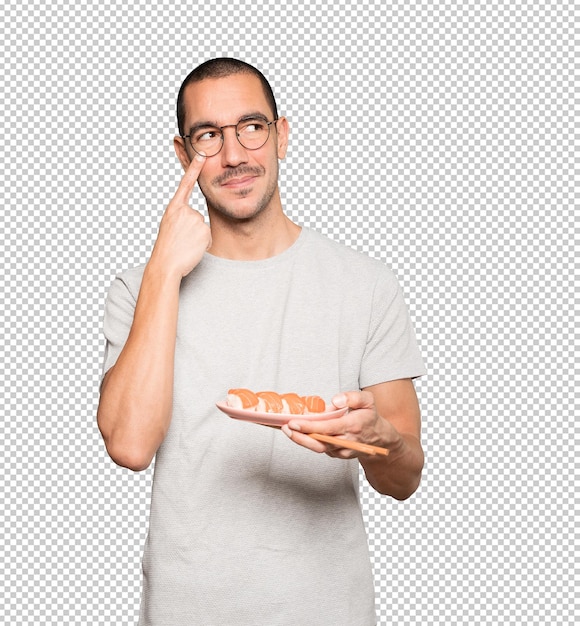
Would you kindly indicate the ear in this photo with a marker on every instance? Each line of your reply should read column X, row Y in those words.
column 282, row 136
column 181, row 152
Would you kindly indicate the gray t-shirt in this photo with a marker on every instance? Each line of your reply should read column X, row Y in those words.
column 246, row 527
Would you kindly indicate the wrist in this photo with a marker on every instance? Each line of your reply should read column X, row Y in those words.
column 395, row 442
column 156, row 270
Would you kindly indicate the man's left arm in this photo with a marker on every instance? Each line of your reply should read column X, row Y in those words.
column 397, row 409
column 385, row 415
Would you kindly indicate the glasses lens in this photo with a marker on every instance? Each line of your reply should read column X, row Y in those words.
column 253, row 134
column 207, row 140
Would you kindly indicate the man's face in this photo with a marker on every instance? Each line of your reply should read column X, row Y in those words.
column 237, row 183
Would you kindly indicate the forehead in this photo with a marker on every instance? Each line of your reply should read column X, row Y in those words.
column 224, row 100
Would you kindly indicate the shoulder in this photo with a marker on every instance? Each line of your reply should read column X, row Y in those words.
column 128, row 282
column 340, row 259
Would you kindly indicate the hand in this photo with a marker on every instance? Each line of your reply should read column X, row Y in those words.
column 361, row 423
column 183, row 235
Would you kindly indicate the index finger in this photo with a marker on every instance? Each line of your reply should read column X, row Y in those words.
column 334, row 426
column 189, row 179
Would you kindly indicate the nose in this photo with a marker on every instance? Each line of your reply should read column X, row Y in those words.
column 232, row 152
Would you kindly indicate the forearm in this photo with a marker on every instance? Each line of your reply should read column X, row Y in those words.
column 136, row 397
column 399, row 474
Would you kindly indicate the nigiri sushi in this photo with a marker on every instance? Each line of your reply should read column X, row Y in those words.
column 269, row 402
column 242, row 399
column 313, row 404
column 292, row 403
column 272, row 402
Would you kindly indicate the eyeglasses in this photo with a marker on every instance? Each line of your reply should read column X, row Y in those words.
column 252, row 133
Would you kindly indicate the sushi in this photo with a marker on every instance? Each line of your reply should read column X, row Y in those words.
column 269, row 402
column 313, row 404
column 242, row 399
column 272, row 402
column 293, row 403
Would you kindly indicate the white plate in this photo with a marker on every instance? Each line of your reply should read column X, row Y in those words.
column 277, row 419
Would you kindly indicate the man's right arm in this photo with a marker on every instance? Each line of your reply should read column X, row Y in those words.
column 137, row 392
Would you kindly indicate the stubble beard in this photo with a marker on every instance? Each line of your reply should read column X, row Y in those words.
column 225, row 210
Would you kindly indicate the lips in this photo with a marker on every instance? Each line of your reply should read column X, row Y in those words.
column 239, row 182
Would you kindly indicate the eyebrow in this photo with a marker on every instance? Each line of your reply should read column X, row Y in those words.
column 213, row 124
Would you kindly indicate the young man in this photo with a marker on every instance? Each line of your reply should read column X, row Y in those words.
column 248, row 527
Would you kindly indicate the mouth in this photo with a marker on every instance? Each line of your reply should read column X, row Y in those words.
column 238, row 183
column 239, row 177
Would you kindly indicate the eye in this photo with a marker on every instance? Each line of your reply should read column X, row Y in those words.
column 252, row 126
column 206, row 134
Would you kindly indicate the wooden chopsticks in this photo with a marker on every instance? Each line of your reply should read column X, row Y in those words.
column 353, row 445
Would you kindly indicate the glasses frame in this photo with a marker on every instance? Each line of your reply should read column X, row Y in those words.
column 221, row 129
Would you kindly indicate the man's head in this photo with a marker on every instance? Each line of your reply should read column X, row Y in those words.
column 221, row 68
column 232, row 100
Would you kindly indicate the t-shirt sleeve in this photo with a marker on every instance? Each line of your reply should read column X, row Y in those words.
column 117, row 321
column 391, row 352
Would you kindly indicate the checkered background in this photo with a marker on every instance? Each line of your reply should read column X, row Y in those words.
column 436, row 136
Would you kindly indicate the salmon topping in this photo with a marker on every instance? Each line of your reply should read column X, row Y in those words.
column 314, row 404
column 293, row 403
column 272, row 402
column 242, row 398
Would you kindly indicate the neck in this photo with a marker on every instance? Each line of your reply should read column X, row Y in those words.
column 264, row 236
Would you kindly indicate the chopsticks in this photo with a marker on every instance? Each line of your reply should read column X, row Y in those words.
column 353, row 445
column 345, row 443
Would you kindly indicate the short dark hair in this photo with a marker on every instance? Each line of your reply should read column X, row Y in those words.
column 220, row 68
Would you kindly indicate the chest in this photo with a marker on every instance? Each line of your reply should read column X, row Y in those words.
column 277, row 331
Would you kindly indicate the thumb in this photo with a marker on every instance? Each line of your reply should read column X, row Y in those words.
column 354, row 400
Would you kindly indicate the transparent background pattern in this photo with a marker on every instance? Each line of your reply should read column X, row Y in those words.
column 436, row 136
